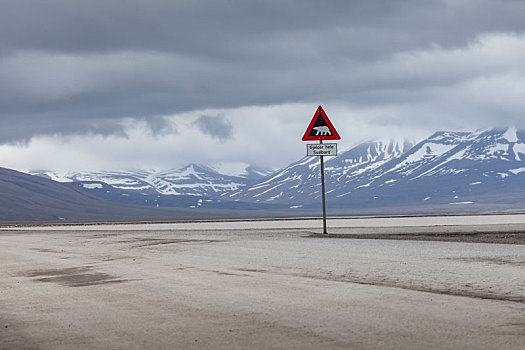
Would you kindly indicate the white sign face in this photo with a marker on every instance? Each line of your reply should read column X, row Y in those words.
column 321, row 149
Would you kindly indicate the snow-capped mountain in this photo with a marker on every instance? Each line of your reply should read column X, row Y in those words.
column 448, row 168
column 484, row 170
column 187, row 186
column 300, row 181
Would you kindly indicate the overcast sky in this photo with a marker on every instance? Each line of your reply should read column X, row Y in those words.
column 98, row 84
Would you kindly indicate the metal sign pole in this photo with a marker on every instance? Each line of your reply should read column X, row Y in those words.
column 323, row 192
column 321, row 128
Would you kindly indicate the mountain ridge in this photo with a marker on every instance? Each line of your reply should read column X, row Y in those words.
column 455, row 169
column 188, row 186
column 439, row 170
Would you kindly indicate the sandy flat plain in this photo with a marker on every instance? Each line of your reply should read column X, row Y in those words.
column 266, row 285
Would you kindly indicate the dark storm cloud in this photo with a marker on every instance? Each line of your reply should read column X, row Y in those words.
column 213, row 27
column 17, row 127
column 160, row 126
column 217, row 127
column 65, row 66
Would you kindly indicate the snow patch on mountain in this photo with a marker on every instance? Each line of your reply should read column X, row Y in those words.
column 427, row 151
column 238, row 169
column 92, row 186
column 511, row 134
column 517, row 171
column 55, row 176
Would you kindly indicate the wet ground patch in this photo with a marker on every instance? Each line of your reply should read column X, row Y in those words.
column 385, row 281
column 83, row 276
column 513, row 261
column 468, row 237
column 46, row 250
column 147, row 242
column 252, row 270
column 106, row 235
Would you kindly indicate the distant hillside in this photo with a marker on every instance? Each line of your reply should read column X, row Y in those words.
column 25, row 198
column 192, row 186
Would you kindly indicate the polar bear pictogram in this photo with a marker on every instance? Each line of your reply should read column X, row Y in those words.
column 322, row 130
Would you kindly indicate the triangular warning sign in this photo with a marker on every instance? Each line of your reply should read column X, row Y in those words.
column 320, row 128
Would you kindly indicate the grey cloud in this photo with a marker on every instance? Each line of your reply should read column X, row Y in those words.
column 161, row 126
column 80, row 62
column 225, row 28
column 386, row 120
column 217, row 127
column 15, row 131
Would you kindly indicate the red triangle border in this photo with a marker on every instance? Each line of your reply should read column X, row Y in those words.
column 334, row 136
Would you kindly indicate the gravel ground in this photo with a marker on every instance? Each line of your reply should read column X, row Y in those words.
column 128, row 287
